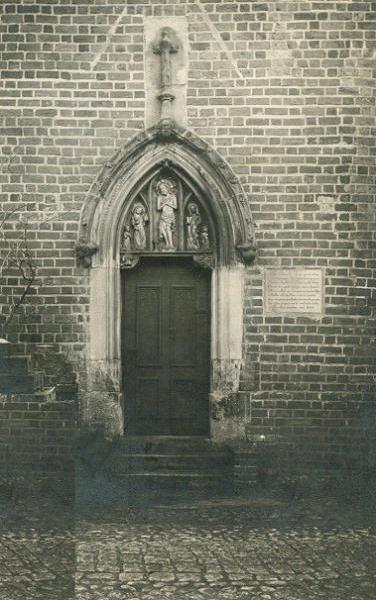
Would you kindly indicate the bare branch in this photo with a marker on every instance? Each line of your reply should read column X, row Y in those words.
column 10, row 213
column 21, row 255
column 17, row 251
column 17, row 303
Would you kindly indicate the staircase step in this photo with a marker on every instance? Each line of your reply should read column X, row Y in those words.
column 165, row 444
column 14, row 365
column 143, row 464
column 40, row 381
column 174, row 481
column 199, row 463
column 16, row 384
column 160, row 469
column 170, row 463
column 14, row 375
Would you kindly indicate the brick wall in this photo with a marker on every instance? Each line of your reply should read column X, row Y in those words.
column 37, row 436
column 285, row 91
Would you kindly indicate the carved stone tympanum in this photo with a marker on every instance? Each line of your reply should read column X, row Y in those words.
column 165, row 216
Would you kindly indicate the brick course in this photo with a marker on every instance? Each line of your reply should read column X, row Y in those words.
column 37, row 436
column 285, row 92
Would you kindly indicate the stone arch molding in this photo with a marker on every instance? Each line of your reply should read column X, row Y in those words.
column 99, row 245
column 186, row 152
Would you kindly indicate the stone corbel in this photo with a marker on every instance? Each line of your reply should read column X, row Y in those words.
column 165, row 130
column 206, row 261
column 84, row 251
column 248, row 252
column 128, row 261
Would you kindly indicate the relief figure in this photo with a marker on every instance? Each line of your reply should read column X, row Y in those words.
column 126, row 242
column 167, row 203
column 138, row 220
column 204, row 238
column 193, row 221
column 165, row 47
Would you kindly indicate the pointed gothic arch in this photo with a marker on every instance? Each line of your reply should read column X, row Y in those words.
column 170, row 150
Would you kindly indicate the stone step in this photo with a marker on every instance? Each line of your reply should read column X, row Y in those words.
column 159, row 465
column 175, row 481
column 178, row 462
column 14, row 365
column 4, row 349
column 171, row 463
column 16, row 384
column 40, row 381
column 165, row 444
column 14, row 374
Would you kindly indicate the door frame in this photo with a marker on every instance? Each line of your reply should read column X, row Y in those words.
column 100, row 241
column 226, row 345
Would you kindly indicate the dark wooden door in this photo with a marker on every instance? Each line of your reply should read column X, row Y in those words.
column 166, row 347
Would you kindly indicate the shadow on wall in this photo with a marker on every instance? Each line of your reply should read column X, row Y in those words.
column 300, row 464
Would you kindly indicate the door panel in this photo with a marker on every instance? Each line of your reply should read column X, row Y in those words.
column 147, row 395
column 166, row 348
column 148, row 325
column 183, row 326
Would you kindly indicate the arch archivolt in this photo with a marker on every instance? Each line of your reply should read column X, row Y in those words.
column 109, row 233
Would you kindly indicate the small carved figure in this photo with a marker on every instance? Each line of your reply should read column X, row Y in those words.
column 128, row 261
column 205, row 261
column 167, row 203
column 85, row 250
column 138, row 220
column 165, row 47
column 126, row 243
column 204, row 237
column 193, row 221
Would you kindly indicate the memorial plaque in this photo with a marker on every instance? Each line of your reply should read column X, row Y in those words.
column 293, row 291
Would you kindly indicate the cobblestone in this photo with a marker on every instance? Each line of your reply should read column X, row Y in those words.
column 261, row 548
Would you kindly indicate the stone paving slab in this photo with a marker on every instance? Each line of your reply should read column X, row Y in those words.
column 245, row 549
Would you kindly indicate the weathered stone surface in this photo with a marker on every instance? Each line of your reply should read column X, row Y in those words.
column 294, row 291
column 177, row 28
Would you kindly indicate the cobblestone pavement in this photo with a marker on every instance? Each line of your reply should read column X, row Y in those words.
column 204, row 550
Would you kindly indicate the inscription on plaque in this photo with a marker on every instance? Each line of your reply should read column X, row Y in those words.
column 293, row 291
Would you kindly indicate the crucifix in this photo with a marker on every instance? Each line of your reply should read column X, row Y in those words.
column 165, row 47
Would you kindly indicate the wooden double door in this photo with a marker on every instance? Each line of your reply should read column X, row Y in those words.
column 166, row 347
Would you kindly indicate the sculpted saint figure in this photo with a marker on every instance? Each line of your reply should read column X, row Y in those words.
column 126, row 240
column 165, row 47
column 167, row 203
column 138, row 220
column 205, row 243
column 193, row 221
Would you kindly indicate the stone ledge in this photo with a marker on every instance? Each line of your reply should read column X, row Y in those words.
column 37, row 397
